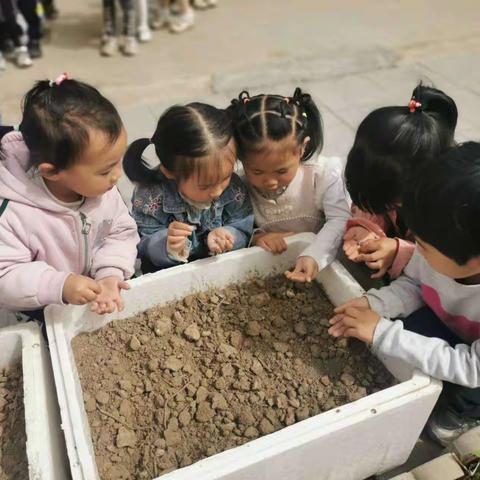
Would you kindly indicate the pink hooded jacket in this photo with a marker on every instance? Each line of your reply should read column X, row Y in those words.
column 42, row 242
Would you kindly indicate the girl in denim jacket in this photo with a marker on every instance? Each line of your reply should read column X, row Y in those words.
column 191, row 205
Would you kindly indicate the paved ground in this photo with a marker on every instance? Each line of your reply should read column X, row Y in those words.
column 351, row 56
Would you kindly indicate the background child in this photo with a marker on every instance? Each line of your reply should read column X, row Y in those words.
column 192, row 204
column 276, row 136
column 65, row 234
column 109, row 42
column 441, row 206
column 390, row 144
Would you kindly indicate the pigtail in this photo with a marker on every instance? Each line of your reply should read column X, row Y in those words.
column 311, row 121
column 135, row 167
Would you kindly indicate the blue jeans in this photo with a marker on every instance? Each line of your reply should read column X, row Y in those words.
column 464, row 401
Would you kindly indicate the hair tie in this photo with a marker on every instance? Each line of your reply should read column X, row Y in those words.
column 413, row 105
column 59, row 80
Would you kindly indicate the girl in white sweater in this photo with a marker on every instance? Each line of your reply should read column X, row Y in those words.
column 292, row 189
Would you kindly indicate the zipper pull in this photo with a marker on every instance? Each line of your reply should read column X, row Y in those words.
column 86, row 225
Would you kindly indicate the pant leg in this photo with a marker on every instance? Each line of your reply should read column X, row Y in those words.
column 464, row 401
column 11, row 28
column 129, row 18
column 109, row 20
column 28, row 9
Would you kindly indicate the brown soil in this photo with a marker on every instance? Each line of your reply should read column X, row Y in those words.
column 181, row 382
column 13, row 454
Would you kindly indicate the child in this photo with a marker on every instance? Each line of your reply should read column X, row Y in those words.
column 65, row 234
column 109, row 44
column 389, row 143
column 441, row 206
column 276, row 136
column 191, row 205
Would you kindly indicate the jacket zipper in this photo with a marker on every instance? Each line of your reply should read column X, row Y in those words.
column 86, row 225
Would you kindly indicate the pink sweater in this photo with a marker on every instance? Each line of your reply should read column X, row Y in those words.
column 378, row 224
column 42, row 242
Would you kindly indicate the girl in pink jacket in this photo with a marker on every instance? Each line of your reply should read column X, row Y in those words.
column 65, row 234
column 389, row 145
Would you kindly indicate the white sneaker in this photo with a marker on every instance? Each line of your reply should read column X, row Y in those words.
column 109, row 46
column 182, row 23
column 212, row 3
column 200, row 4
column 161, row 19
column 130, row 46
column 22, row 57
column 144, row 34
column 3, row 64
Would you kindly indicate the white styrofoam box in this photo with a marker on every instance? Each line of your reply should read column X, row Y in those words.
column 47, row 458
column 370, row 435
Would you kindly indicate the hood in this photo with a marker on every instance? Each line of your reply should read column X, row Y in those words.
column 15, row 183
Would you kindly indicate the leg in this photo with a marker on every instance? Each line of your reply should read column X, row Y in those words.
column 12, row 28
column 28, row 9
column 109, row 18
column 129, row 46
column 144, row 33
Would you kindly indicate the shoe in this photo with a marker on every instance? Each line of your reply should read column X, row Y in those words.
column 22, row 57
column 445, row 426
column 144, row 34
column 8, row 49
column 3, row 63
column 109, row 46
column 130, row 46
column 161, row 19
column 182, row 23
column 35, row 49
column 51, row 12
column 200, row 4
column 211, row 3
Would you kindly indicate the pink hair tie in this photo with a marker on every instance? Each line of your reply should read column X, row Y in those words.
column 413, row 105
column 59, row 80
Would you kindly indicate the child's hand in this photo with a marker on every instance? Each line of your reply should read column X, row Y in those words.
column 109, row 298
column 359, row 302
column 220, row 240
column 378, row 255
column 271, row 242
column 178, row 233
column 79, row 290
column 306, row 269
column 352, row 240
column 355, row 322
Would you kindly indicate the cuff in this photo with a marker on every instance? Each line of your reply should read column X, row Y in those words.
column 381, row 329
column 51, row 287
column 110, row 272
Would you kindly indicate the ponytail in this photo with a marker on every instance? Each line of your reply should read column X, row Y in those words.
column 313, row 125
column 135, row 167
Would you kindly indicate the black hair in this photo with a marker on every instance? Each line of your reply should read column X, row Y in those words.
column 188, row 139
column 392, row 141
column 442, row 203
column 275, row 117
column 57, row 118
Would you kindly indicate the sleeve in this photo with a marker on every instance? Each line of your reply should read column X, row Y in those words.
column 402, row 297
column 433, row 356
column 25, row 284
column 116, row 257
column 369, row 221
column 238, row 215
column 152, row 226
column 334, row 201
column 404, row 254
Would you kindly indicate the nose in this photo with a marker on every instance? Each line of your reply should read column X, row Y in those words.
column 271, row 183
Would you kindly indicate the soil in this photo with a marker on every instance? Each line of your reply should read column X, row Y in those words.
column 13, row 440
column 184, row 381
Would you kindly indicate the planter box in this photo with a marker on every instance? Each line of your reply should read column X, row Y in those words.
column 370, row 435
column 45, row 444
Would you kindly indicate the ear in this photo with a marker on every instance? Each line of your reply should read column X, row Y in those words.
column 167, row 173
column 306, row 141
column 48, row 171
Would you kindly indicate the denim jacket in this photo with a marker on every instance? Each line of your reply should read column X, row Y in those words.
column 156, row 206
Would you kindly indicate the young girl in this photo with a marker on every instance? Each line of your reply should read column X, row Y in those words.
column 276, row 135
column 389, row 145
column 65, row 234
column 191, row 205
column 437, row 296
column 109, row 43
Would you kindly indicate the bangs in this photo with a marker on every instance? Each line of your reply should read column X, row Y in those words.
column 209, row 169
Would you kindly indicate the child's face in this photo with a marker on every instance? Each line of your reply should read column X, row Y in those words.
column 446, row 266
column 96, row 171
column 274, row 165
